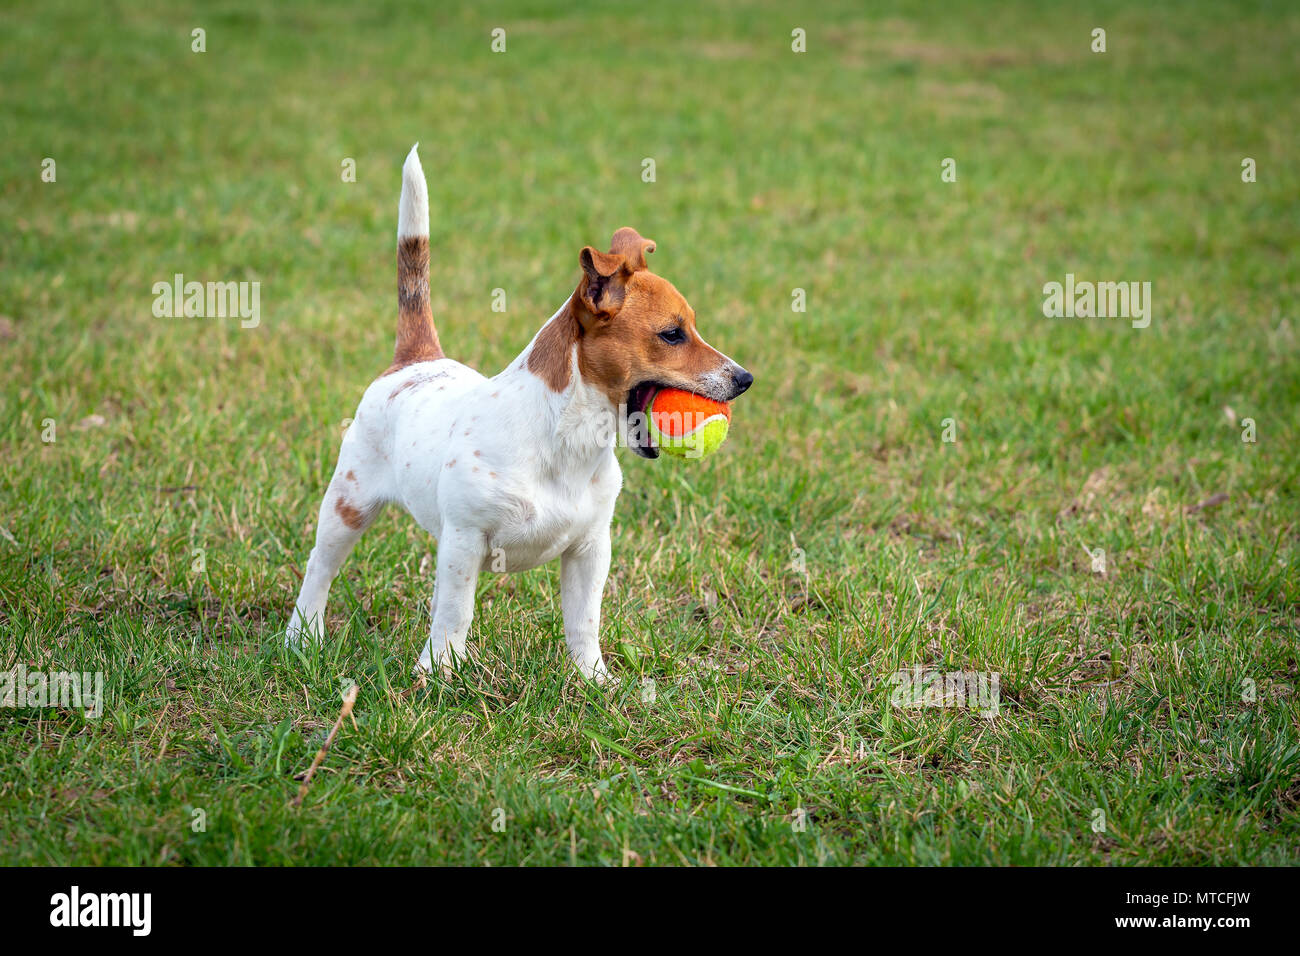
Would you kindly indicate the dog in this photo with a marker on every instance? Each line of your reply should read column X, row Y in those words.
column 514, row 471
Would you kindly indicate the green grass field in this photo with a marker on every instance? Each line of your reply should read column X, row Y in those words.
column 1148, row 714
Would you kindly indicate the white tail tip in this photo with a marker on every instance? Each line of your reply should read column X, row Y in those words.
column 413, row 209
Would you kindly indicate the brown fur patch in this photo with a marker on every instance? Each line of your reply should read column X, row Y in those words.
column 417, row 339
column 353, row 518
column 549, row 357
column 401, row 388
column 411, row 382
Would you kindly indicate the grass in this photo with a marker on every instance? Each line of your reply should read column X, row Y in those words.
column 1148, row 713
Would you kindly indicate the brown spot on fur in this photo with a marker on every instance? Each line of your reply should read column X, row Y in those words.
column 418, row 378
column 417, row 339
column 353, row 518
column 451, row 463
column 409, row 383
column 351, row 475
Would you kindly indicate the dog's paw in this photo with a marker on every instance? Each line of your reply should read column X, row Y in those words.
column 427, row 666
column 297, row 636
column 598, row 673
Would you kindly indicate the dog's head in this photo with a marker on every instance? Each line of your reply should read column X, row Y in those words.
column 638, row 334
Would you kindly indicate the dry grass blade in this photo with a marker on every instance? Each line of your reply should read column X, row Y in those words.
column 349, row 699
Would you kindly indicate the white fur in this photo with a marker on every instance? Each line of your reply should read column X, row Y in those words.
column 413, row 207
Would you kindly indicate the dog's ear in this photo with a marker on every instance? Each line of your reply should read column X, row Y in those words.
column 630, row 244
column 604, row 278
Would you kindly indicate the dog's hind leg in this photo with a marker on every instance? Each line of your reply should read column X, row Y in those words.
column 344, row 515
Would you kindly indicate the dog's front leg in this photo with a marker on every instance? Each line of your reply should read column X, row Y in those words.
column 460, row 558
column 583, row 569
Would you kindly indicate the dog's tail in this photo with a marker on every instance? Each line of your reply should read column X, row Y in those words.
column 417, row 339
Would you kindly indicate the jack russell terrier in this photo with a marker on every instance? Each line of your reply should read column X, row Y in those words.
column 512, row 471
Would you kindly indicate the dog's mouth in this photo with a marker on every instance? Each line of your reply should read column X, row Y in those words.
column 638, row 419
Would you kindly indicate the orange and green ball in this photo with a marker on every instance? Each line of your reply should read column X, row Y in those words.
column 687, row 425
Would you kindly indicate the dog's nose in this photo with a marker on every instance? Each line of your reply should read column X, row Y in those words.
column 742, row 379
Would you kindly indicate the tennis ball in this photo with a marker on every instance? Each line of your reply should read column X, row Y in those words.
column 687, row 425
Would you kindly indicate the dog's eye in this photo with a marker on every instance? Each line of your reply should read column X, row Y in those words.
column 673, row 336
